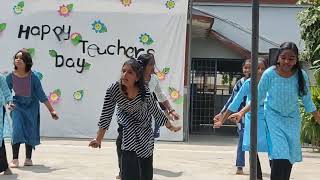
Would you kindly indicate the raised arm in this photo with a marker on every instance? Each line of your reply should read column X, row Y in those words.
column 235, row 104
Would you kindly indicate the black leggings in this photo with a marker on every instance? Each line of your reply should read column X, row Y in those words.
column 280, row 169
column 135, row 168
column 259, row 171
column 15, row 151
column 118, row 143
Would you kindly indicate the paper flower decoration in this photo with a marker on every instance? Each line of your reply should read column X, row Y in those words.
column 38, row 74
column 162, row 74
column 145, row 39
column 3, row 26
column 54, row 97
column 99, row 27
column 170, row 4
column 65, row 10
column 126, row 2
column 175, row 95
column 76, row 38
column 18, row 9
column 78, row 95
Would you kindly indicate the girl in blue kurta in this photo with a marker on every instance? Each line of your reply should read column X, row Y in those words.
column 5, row 98
column 221, row 117
column 26, row 116
column 280, row 88
column 234, row 106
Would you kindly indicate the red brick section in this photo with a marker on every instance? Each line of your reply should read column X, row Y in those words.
column 250, row 1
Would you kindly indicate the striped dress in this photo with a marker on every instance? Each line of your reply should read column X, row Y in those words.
column 136, row 118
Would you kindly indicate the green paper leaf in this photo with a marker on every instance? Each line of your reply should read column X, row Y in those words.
column 87, row 66
column 171, row 89
column 70, row 7
column 31, row 51
column 53, row 53
column 21, row 4
column 104, row 29
column 166, row 70
column 3, row 26
column 150, row 41
column 58, row 92
column 76, row 40
column 179, row 100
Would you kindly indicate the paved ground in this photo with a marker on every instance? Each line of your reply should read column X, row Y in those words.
column 204, row 157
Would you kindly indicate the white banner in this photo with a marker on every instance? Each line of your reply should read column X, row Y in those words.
column 79, row 46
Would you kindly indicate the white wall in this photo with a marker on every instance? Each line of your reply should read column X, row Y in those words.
column 211, row 48
column 277, row 23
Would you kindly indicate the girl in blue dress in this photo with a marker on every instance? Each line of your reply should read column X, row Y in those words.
column 280, row 88
column 5, row 99
column 234, row 106
column 28, row 93
column 220, row 117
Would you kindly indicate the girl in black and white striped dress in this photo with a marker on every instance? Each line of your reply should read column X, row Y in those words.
column 135, row 108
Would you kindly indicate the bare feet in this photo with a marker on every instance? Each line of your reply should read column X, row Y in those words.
column 14, row 163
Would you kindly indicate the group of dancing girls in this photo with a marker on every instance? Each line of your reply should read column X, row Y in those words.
column 279, row 122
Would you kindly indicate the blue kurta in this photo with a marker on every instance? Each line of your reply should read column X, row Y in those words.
column 26, row 115
column 262, row 131
column 5, row 97
column 280, row 96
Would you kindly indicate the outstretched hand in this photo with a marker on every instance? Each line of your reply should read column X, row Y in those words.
column 217, row 121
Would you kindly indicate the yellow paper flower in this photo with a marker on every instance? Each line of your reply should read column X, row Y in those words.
column 126, row 2
column 78, row 95
column 54, row 98
column 170, row 4
column 64, row 11
column 175, row 95
column 161, row 75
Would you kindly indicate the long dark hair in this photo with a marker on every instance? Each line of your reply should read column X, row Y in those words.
column 137, row 68
column 293, row 47
column 26, row 58
column 245, row 62
column 264, row 60
column 145, row 59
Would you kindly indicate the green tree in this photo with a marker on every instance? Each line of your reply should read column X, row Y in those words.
column 309, row 21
